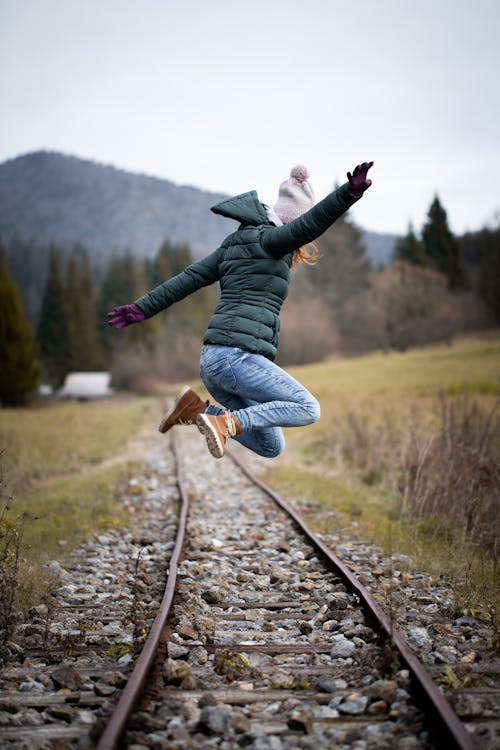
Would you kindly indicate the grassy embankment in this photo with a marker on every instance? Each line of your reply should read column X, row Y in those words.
column 408, row 446
column 64, row 463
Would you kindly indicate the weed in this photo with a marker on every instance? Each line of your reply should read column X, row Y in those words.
column 291, row 682
column 451, row 680
column 10, row 544
column 231, row 664
column 137, row 615
column 119, row 649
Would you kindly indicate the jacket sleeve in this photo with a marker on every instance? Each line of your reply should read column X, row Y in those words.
column 283, row 240
column 199, row 274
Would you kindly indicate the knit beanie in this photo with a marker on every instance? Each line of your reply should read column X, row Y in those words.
column 296, row 195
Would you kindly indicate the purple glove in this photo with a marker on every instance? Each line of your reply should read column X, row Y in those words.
column 123, row 316
column 357, row 180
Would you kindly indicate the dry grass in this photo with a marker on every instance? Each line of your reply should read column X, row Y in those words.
column 406, row 453
column 64, row 464
column 62, row 438
column 63, row 469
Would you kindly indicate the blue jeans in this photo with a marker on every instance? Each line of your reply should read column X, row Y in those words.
column 261, row 395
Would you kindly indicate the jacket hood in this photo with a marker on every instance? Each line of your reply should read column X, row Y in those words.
column 245, row 208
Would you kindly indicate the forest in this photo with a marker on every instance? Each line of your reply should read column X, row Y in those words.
column 54, row 298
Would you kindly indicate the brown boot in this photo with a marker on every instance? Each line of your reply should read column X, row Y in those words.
column 186, row 408
column 217, row 429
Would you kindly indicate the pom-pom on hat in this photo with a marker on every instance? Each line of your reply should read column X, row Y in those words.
column 296, row 195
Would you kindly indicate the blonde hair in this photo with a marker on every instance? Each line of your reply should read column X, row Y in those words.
column 308, row 254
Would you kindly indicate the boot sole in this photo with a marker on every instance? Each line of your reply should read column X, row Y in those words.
column 214, row 443
column 164, row 426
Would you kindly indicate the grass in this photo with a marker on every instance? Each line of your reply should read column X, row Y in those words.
column 64, row 463
column 379, row 409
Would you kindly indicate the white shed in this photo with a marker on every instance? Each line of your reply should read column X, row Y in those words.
column 86, row 385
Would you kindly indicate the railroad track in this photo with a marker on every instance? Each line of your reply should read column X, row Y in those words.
column 264, row 639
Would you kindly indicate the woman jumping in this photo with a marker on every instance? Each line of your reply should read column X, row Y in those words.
column 253, row 264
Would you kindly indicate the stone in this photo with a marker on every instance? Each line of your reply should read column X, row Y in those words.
column 376, row 730
column 279, row 574
column 325, row 684
column 64, row 713
column 305, row 627
column 269, row 742
column 419, row 638
column 100, row 688
column 409, row 743
column 325, row 712
column 207, row 699
column 31, row 717
column 300, row 721
column 240, row 723
column 377, row 707
column 198, row 655
column 211, row 596
column 176, row 651
column 205, row 626
column 66, row 677
column 29, row 685
column 383, row 690
column 187, row 632
column 118, row 679
column 213, row 720
column 354, row 704
column 125, row 659
column 175, row 670
column 464, row 622
column 342, row 647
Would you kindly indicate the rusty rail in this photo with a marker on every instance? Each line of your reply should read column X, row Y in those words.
column 446, row 723
column 132, row 692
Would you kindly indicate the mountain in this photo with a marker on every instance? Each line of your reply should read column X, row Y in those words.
column 52, row 197
column 57, row 198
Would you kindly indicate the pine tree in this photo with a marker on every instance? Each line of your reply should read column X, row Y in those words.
column 85, row 351
column 125, row 280
column 28, row 263
column 53, row 334
column 441, row 247
column 194, row 311
column 410, row 249
column 20, row 369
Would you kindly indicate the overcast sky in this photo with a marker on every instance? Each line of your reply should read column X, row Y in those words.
column 228, row 95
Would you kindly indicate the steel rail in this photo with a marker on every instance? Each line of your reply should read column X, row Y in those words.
column 446, row 722
column 132, row 691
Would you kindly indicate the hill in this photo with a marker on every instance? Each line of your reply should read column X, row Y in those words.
column 52, row 197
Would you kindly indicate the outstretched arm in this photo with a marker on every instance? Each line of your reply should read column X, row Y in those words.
column 199, row 274
column 311, row 225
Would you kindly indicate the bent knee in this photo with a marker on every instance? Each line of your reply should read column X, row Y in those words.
column 274, row 449
column 273, row 452
column 313, row 410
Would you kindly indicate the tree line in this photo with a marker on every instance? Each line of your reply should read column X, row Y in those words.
column 53, row 305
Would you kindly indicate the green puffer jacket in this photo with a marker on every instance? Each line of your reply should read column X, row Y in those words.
column 253, row 268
